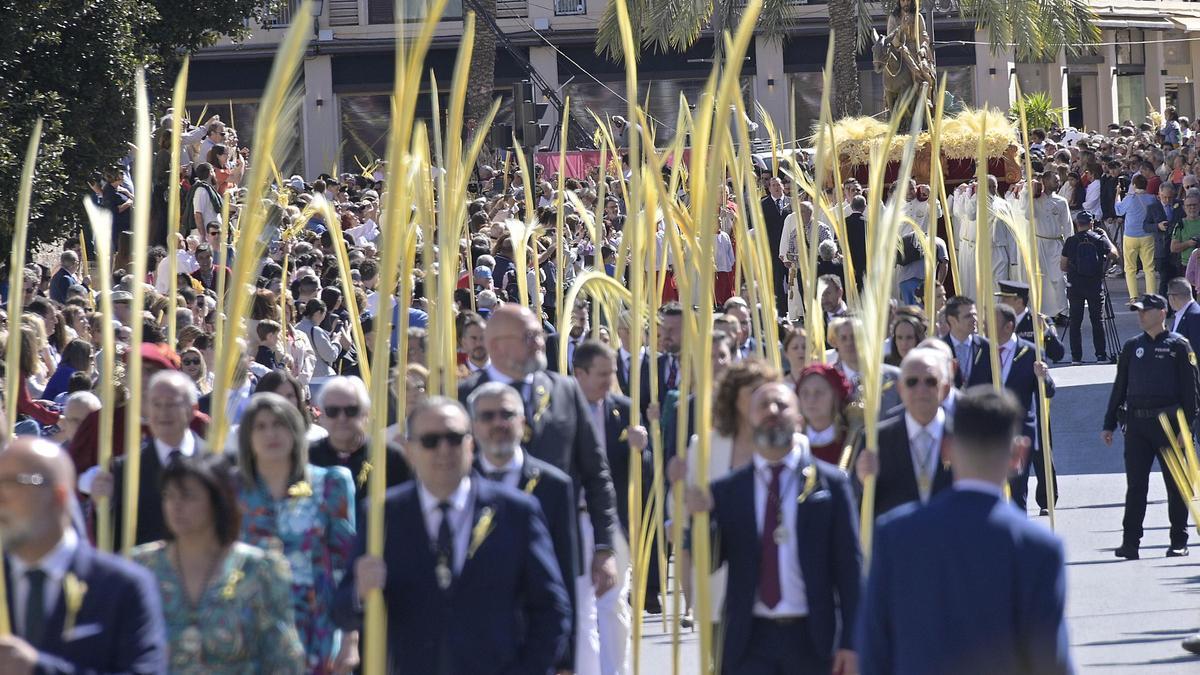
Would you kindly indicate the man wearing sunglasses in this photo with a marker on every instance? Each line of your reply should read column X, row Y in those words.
column 468, row 571
column 558, row 428
column 345, row 407
column 909, row 465
column 497, row 422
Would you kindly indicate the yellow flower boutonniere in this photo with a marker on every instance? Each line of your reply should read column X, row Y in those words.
column 73, row 592
column 301, row 489
column 543, row 402
column 810, row 483
column 365, row 471
column 481, row 530
column 230, row 588
column 533, row 481
column 624, row 435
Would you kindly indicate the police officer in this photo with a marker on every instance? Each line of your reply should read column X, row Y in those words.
column 1015, row 294
column 1156, row 373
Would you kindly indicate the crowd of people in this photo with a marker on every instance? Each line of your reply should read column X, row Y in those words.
column 508, row 515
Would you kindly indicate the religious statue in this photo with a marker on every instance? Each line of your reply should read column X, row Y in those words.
column 904, row 55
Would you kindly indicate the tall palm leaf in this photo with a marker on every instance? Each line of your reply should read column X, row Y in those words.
column 1036, row 29
column 663, row 26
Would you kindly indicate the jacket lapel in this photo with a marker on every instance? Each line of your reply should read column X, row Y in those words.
column 483, row 506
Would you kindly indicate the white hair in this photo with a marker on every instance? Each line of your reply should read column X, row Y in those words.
column 490, row 390
column 342, row 383
column 85, row 398
column 178, row 380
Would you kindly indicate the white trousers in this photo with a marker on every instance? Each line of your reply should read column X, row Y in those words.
column 602, row 624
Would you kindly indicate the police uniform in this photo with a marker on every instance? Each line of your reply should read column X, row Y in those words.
column 1154, row 375
column 1055, row 351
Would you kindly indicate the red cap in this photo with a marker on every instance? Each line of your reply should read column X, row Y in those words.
column 835, row 378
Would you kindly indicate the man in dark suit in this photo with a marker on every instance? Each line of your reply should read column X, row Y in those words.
column 668, row 359
column 1163, row 214
column 787, row 527
column 557, row 428
column 468, row 572
column 1015, row 294
column 845, row 340
column 972, row 364
column 114, row 621
column 497, row 421
column 345, row 406
column 856, row 237
column 775, row 209
column 169, row 401
column 1186, row 321
column 1020, row 371
column 1004, row 572
column 910, row 465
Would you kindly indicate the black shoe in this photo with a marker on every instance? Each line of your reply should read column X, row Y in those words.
column 1127, row 551
column 653, row 606
column 1177, row 552
column 1044, row 512
column 1192, row 643
column 1076, row 362
column 1101, row 358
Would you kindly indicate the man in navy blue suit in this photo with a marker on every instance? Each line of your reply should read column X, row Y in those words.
column 967, row 584
column 1020, row 371
column 972, row 365
column 73, row 608
column 1186, row 321
column 787, row 527
column 468, row 572
column 497, row 421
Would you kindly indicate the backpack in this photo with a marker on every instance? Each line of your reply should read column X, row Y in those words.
column 1089, row 256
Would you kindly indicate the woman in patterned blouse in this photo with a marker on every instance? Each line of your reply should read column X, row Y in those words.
column 304, row 512
column 227, row 605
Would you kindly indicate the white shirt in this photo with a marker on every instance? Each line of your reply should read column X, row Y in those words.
column 793, row 601
column 1179, row 316
column 187, row 447
column 186, row 264
column 367, row 232
column 935, row 429
column 1008, row 351
column 821, row 437
column 512, row 470
column 471, row 367
column 461, row 505
column 1091, row 199
column 55, row 564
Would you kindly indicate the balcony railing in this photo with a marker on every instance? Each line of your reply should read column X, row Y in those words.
column 570, row 7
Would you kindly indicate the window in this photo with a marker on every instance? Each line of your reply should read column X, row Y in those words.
column 1130, row 54
column 383, row 11
column 570, row 7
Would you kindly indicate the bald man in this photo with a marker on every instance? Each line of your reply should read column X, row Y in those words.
column 113, row 624
column 559, row 428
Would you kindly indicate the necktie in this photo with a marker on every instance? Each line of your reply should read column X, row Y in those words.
column 769, row 590
column 444, row 547
column 35, row 611
column 779, row 204
column 497, row 476
column 672, row 372
column 1003, row 357
column 923, row 446
column 964, row 360
column 174, row 455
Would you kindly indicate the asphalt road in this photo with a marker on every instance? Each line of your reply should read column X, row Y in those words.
column 1124, row 616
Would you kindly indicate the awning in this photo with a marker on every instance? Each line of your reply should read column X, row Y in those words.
column 1144, row 24
column 1187, row 23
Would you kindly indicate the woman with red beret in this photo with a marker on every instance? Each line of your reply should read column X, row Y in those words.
column 824, row 392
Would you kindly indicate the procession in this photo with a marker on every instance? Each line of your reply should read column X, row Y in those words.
column 364, row 341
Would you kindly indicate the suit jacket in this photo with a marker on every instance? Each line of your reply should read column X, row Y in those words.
column 773, row 219
column 1189, row 325
column 919, row 586
column 890, row 377
column 1054, row 347
column 119, row 626
column 562, row 434
column 981, row 364
column 896, row 482
column 505, row 612
column 856, row 244
column 830, row 561
column 1155, row 214
column 321, row 453
column 1023, row 383
column 663, row 366
column 150, row 523
column 556, row 494
column 616, row 447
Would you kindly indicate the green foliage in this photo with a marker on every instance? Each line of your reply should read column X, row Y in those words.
column 1040, row 113
column 72, row 62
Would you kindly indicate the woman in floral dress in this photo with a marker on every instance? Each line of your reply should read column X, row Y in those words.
column 306, row 513
column 227, row 605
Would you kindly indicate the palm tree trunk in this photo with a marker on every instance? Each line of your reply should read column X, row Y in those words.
column 481, row 81
column 846, row 102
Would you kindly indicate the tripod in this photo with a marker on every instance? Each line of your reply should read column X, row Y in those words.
column 1109, row 318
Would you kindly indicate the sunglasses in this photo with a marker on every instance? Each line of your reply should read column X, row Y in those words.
column 335, row 411
column 493, row 415
column 431, row 441
column 191, row 362
column 912, row 382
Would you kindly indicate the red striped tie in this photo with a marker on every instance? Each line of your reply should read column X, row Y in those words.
column 768, row 567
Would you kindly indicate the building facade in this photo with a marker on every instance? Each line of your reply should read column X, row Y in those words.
column 1149, row 55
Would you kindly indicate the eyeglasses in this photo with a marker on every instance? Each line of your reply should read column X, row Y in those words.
column 529, row 336
column 29, row 479
column 431, row 441
column 191, row 362
column 912, row 382
column 335, row 411
column 493, row 415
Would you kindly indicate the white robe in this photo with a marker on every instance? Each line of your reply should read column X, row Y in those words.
column 1052, row 217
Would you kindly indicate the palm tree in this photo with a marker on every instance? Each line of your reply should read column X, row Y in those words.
column 675, row 25
column 481, row 80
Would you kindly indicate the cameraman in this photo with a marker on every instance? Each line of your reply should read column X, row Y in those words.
column 1086, row 256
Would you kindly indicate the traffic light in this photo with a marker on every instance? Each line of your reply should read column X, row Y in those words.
column 527, row 116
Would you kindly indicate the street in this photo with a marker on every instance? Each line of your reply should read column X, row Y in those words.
column 1124, row 616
